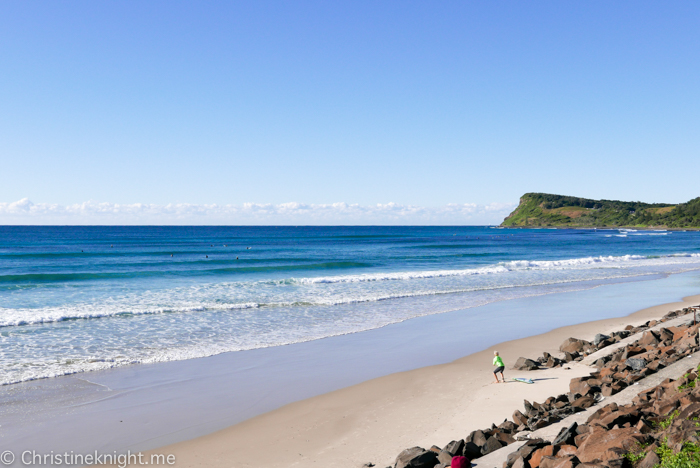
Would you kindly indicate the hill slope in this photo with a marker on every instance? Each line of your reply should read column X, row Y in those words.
column 543, row 209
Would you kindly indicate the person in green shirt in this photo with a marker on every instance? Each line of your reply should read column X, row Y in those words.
column 498, row 362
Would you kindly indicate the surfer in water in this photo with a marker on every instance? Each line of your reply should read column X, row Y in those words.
column 498, row 362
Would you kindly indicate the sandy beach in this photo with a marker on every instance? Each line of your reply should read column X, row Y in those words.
column 296, row 234
column 343, row 401
column 373, row 421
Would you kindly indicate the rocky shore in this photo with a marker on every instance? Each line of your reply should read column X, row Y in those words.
column 659, row 427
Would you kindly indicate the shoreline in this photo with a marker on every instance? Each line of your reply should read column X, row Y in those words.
column 373, row 421
column 143, row 407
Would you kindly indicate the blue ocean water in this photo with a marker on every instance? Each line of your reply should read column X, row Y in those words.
column 75, row 299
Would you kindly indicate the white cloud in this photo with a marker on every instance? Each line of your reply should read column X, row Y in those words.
column 26, row 212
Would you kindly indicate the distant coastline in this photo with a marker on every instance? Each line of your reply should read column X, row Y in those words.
column 549, row 210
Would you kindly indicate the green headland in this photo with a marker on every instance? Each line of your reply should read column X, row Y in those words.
column 543, row 209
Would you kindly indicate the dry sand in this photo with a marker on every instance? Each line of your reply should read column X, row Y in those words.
column 375, row 420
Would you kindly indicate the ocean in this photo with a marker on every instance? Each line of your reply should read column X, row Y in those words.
column 77, row 299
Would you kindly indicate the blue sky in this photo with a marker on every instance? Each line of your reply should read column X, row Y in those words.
column 423, row 104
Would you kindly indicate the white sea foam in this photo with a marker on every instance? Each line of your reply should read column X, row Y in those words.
column 35, row 316
column 288, row 330
column 184, row 322
column 344, row 289
column 505, row 267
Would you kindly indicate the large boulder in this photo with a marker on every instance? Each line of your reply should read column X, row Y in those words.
column 525, row 364
column 471, row 450
column 566, row 450
column 649, row 338
column 537, row 455
column 492, row 444
column 603, row 445
column 583, row 403
column 580, row 385
column 445, row 457
column 636, row 364
column 573, row 345
column 631, row 350
column 530, row 446
column 620, row 417
column 519, row 418
column 416, row 457
column 650, row 461
column 599, row 338
column 456, row 447
column 552, row 362
column 508, row 426
column 529, row 409
column 477, row 437
column 511, row 458
column 504, row 438
column 559, row 462
column 665, row 335
column 566, row 435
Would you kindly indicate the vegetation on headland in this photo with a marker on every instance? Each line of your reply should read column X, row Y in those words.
column 543, row 209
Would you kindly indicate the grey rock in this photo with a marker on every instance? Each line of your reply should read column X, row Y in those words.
column 519, row 418
column 507, row 426
column 525, row 364
column 598, row 338
column 566, row 435
column 511, row 459
column 404, row 457
column 478, row 437
column 491, row 445
column 456, row 447
column 636, row 363
column 445, row 457
column 471, row 450
column 605, row 343
column 416, row 457
column 519, row 463
column 529, row 409
column 600, row 362
column 536, row 423
column 530, row 446
column 650, row 461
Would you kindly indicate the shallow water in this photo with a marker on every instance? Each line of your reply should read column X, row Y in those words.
column 74, row 299
column 146, row 406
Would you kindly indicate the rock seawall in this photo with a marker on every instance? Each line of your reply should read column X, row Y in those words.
column 614, row 437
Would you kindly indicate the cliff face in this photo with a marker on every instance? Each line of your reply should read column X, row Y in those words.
column 543, row 209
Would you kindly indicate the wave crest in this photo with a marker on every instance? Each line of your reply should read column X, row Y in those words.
column 503, row 267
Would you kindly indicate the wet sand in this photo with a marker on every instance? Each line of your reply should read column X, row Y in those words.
column 341, row 401
column 375, row 420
